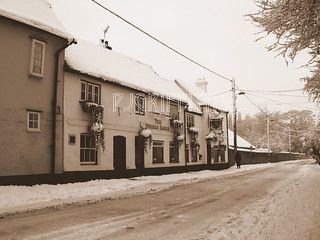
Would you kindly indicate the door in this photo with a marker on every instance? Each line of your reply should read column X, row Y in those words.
column 119, row 153
column 208, row 153
column 139, row 153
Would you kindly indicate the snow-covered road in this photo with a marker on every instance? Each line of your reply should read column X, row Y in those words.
column 273, row 201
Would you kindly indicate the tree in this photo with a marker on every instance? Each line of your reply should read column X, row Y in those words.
column 296, row 26
column 301, row 126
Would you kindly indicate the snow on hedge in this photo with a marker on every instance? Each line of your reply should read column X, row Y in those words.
column 97, row 61
column 15, row 199
column 35, row 13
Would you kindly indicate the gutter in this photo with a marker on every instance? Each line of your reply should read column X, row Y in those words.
column 185, row 136
column 54, row 104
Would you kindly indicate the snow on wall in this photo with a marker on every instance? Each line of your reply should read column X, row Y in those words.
column 97, row 61
column 35, row 13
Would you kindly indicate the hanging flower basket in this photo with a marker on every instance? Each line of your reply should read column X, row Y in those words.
column 176, row 123
column 209, row 136
column 146, row 134
column 193, row 130
column 95, row 127
column 177, row 126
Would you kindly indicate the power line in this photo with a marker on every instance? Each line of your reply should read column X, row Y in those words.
column 274, row 91
column 275, row 94
column 161, row 42
column 282, row 103
column 218, row 94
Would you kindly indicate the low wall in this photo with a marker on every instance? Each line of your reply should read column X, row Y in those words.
column 251, row 157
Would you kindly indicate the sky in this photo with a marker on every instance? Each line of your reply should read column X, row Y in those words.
column 215, row 33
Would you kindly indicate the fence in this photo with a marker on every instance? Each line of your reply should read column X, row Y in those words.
column 254, row 157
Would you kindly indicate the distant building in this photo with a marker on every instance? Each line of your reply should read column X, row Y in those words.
column 212, row 124
column 242, row 144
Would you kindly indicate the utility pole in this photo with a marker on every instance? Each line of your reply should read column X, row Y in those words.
column 234, row 97
column 289, row 139
column 268, row 135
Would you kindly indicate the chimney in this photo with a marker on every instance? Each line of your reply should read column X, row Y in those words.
column 103, row 41
column 202, row 83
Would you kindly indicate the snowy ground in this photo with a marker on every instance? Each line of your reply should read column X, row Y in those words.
column 15, row 199
column 277, row 201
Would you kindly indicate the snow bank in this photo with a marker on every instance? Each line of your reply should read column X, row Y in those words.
column 14, row 199
column 35, row 13
column 97, row 61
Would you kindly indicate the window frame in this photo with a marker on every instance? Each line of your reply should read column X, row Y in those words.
column 173, row 150
column 38, row 129
column 140, row 110
column 213, row 126
column 190, row 120
column 90, row 148
column 153, row 152
column 93, row 93
column 34, row 42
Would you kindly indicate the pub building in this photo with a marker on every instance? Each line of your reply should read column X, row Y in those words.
column 121, row 116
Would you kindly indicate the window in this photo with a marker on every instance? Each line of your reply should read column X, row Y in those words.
column 194, row 153
column 37, row 58
column 88, row 152
column 157, row 152
column 90, row 92
column 140, row 105
column 33, row 121
column 173, row 153
column 215, row 124
column 174, row 113
column 190, row 120
column 72, row 139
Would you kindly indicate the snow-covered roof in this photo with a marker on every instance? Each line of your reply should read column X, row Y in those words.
column 241, row 143
column 98, row 61
column 35, row 13
column 200, row 97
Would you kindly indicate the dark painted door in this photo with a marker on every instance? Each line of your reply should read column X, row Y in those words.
column 139, row 153
column 119, row 153
column 209, row 153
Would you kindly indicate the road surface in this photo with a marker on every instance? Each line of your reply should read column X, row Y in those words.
column 279, row 202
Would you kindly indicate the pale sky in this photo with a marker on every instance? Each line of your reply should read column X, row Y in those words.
column 214, row 32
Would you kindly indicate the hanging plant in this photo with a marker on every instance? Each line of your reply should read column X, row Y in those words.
column 177, row 126
column 146, row 134
column 95, row 127
column 210, row 136
column 193, row 130
column 194, row 136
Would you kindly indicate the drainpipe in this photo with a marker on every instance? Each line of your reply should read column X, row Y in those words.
column 185, row 136
column 54, row 103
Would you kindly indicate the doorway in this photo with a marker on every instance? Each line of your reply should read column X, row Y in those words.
column 119, row 153
column 139, row 153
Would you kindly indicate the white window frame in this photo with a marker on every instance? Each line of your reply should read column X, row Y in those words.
column 34, row 41
column 174, row 150
column 190, row 120
column 28, row 120
column 88, row 148
column 86, row 92
column 157, row 144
